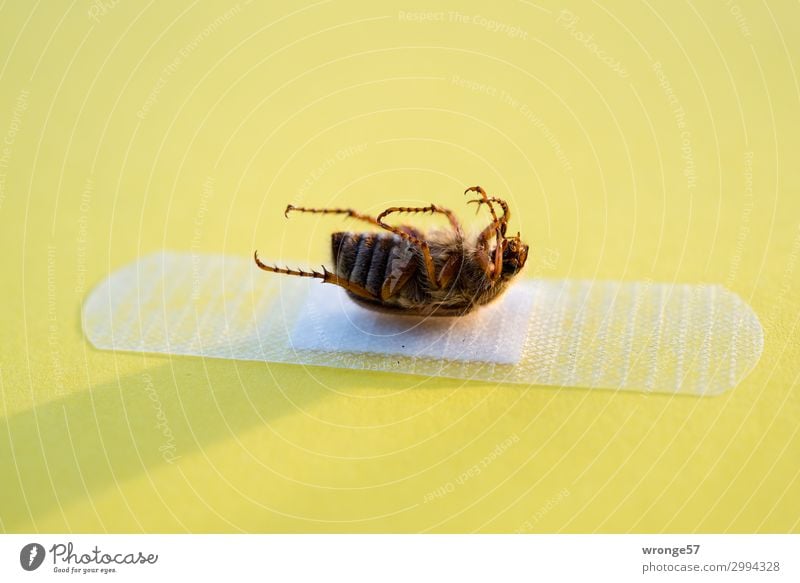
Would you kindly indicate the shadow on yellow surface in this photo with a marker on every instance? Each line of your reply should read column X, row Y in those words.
column 88, row 442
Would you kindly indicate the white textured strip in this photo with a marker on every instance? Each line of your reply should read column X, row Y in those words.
column 331, row 322
column 674, row 338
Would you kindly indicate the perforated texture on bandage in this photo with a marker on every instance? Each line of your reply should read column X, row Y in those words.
column 673, row 338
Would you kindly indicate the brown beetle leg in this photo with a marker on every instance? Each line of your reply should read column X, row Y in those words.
column 326, row 277
column 449, row 270
column 491, row 262
column 430, row 267
column 485, row 261
column 321, row 211
column 502, row 222
column 352, row 214
column 498, row 259
column 494, row 265
column 484, row 197
column 427, row 209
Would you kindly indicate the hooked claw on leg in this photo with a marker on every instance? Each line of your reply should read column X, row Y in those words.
column 479, row 202
column 477, row 189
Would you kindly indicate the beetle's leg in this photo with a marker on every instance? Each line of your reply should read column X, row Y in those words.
column 427, row 209
column 485, row 261
column 496, row 228
column 497, row 257
column 491, row 262
column 486, row 236
column 449, row 270
column 485, row 198
column 417, row 241
column 326, row 277
column 502, row 222
column 349, row 212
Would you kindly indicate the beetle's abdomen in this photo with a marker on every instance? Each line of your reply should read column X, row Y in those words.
column 364, row 258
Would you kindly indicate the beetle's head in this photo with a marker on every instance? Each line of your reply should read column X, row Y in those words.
column 515, row 254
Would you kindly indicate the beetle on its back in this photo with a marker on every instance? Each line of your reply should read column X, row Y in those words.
column 406, row 271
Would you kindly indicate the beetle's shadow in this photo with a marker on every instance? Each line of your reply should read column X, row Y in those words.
column 86, row 443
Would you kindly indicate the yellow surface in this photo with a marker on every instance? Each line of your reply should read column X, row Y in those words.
column 636, row 141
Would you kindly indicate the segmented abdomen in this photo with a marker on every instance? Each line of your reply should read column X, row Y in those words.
column 366, row 258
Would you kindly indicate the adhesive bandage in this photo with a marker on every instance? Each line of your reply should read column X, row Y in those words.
column 671, row 338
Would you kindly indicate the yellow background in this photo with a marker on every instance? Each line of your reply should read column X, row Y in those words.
column 636, row 141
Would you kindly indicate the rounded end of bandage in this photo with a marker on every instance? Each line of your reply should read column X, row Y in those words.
column 738, row 324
